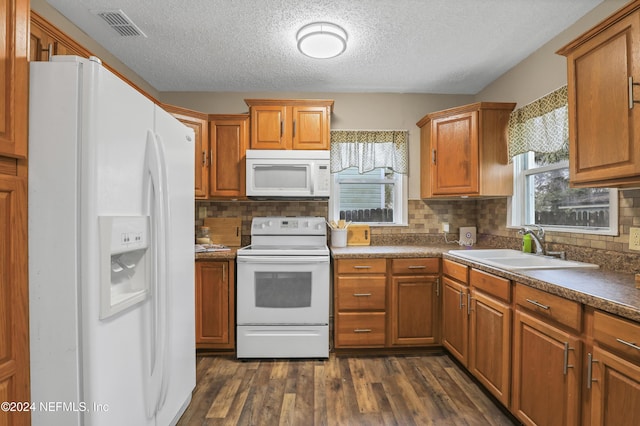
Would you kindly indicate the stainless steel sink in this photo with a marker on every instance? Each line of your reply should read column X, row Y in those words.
column 517, row 260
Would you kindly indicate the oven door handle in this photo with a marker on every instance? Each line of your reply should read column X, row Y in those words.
column 283, row 259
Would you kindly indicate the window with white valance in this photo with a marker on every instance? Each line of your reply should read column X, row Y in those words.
column 369, row 170
column 369, row 149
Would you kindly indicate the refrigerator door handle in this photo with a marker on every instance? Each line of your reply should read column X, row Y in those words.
column 156, row 198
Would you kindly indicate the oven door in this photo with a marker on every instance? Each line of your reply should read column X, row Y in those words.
column 282, row 290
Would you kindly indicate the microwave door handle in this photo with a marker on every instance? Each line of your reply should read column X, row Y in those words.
column 312, row 168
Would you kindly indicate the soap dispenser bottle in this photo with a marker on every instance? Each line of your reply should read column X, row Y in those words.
column 526, row 243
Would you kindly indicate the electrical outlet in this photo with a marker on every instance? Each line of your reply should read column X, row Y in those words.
column 634, row 239
column 445, row 227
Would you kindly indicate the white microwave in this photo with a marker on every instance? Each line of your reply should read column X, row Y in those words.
column 288, row 174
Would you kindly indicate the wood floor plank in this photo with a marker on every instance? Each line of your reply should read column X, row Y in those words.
column 363, row 387
column 352, row 391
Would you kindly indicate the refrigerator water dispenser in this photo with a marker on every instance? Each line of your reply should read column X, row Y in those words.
column 124, row 268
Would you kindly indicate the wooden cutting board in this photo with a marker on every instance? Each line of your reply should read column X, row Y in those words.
column 358, row 235
column 225, row 230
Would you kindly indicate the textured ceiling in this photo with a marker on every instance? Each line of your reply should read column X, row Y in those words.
column 400, row 46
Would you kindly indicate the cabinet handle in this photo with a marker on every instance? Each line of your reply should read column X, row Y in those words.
column 281, row 129
column 437, row 287
column 433, row 156
column 417, row 266
column 361, row 294
column 633, row 345
column 49, row 51
column 631, row 100
column 204, row 158
column 469, row 299
column 539, row 305
column 294, row 128
column 590, row 378
column 566, row 364
column 461, row 305
column 362, row 267
column 362, row 330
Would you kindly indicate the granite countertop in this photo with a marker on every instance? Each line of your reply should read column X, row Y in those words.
column 612, row 292
column 218, row 255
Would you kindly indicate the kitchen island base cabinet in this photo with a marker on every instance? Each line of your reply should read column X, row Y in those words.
column 215, row 305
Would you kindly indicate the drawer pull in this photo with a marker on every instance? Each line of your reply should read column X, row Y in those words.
column 624, row 342
column 631, row 100
column 361, row 294
column 590, row 362
column 539, row 305
column 362, row 267
column 417, row 266
column 362, row 330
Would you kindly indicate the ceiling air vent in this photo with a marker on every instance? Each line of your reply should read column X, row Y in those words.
column 120, row 22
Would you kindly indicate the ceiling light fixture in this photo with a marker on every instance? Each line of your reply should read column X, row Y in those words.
column 322, row 40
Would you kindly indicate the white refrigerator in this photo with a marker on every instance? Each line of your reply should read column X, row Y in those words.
column 111, row 257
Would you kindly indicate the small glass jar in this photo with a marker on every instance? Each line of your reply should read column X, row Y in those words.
column 202, row 236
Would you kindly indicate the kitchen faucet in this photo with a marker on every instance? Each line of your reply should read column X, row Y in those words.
column 537, row 236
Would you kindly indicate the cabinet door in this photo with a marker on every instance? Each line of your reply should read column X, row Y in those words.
column 201, row 149
column 545, row 373
column 228, row 151
column 413, row 310
column 455, row 324
column 600, row 108
column 615, row 390
column 454, row 144
column 214, row 305
column 268, row 127
column 310, row 128
column 490, row 344
column 14, row 74
column 14, row 302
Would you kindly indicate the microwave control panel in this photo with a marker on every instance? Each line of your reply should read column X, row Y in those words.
column 323, row 179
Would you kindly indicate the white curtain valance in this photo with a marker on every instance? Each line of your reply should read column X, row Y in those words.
column 369, row 149
column 541, row 126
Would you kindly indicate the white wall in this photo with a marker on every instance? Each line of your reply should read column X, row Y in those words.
column 544, row 71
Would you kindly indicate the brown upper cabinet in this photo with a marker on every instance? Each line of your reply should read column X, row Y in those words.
column 220, row 145
column 603, row 67
column 463, row 152
column 14, row 73
column 199, row 122
column 228, row 139
column 290, row 123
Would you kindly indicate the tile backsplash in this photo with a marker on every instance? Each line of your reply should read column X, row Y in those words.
column 489, row 216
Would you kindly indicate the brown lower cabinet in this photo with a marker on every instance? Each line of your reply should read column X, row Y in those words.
column 386, row 302
column 612, row 379
column 215, row 302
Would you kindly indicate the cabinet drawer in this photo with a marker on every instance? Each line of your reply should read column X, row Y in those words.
column 491, row 284
column 361, row 266
column 416, row 266
column 455, row 270
column 361, row 293
column 564, row 311
column 617, row 333
column 360, row 329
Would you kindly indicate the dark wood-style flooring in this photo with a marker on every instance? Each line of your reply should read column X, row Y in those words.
column 343, row 390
